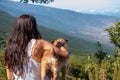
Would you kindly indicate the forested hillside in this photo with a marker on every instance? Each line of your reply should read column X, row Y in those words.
column 6, row 21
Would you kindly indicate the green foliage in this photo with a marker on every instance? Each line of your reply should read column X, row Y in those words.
column 117, row 54
column 76, row 68
column 100, row 54
column 88, row 68
column 93, row 67
column 3, row 38
column 2, row 68
column 114, row 33
column 116, row 65
column 37, row 1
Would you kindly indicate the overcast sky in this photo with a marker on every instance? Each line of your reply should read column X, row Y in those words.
column 87, row 5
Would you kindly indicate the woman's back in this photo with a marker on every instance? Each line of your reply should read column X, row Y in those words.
column 33, row 72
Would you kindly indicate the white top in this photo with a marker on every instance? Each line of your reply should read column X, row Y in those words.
column 33, row 72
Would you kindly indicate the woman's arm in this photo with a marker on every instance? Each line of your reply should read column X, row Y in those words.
column 42, row 45
column 9, row 74
column 62, row 51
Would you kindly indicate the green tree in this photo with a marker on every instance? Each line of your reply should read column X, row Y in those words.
column 100, row 54
column 37, row 1
column 3, row 38
column 114, row 32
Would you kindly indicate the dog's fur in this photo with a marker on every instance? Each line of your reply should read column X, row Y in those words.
column 52, row 63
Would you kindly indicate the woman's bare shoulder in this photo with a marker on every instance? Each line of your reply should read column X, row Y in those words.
column 44, row 42
column 41, row 41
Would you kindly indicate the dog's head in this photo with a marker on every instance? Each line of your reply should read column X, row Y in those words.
column 60, row 42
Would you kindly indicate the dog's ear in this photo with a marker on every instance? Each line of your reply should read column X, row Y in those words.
column 52, row 41
column 66, row 40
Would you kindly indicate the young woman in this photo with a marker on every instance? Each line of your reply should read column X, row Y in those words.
column 24, row 50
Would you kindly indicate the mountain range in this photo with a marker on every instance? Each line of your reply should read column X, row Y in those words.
column 108, row 12
column 84, row 26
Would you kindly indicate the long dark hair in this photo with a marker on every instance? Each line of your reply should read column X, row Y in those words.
column 24, row 29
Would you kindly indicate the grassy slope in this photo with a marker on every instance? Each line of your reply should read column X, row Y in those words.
column 76, row 45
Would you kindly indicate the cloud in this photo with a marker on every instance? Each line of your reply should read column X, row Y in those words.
column 102, row 11
column 85, row 4
column 15, row 0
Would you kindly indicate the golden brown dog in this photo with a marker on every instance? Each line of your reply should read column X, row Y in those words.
column 52, row 63
column 61, row 61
